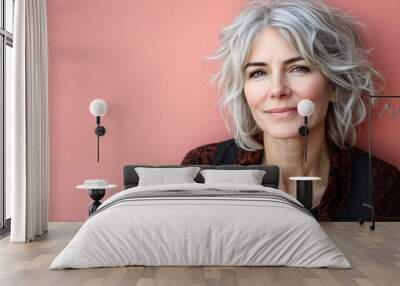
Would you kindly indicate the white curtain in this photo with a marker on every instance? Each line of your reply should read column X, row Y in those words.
column 27, row 123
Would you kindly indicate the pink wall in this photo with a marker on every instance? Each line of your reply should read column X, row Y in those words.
column 381, row 31
column 145, row 58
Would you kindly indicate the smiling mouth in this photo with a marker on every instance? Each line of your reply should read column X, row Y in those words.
column 281, row 110
column 282, row 113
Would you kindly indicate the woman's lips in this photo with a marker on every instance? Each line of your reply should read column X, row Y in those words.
column 282, row 112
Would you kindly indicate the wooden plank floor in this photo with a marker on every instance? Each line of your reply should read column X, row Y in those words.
column 375, row 257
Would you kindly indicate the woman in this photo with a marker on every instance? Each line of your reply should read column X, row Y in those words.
column 274, row 54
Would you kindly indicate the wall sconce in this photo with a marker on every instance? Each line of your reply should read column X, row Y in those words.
column 98, row 108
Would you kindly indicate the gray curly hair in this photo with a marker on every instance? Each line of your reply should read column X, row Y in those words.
column 324, row 36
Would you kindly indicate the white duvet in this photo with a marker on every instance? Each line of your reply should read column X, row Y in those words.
column 183, row 231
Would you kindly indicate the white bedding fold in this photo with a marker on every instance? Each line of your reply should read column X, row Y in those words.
column 179, row 231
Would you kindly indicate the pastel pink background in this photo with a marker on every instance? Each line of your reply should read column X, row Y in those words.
column 146, row 60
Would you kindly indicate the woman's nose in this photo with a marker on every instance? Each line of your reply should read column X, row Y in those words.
column 278, row 86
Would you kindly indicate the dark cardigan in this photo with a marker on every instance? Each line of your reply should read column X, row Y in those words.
column 347, row 185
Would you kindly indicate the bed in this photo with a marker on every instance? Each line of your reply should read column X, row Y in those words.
column 201, row 223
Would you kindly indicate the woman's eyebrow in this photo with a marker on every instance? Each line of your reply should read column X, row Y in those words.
column 288, row 61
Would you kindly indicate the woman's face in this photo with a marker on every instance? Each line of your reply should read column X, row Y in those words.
column 276, row 79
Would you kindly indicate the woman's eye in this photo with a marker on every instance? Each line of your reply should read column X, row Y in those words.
column 256, row 74
column 303, row 69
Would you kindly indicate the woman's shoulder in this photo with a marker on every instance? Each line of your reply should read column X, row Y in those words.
column 359, row 159
column 204, row 154
column 379, row 167
column 385, row 179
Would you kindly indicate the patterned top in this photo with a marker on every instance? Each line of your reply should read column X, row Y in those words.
column 385, row 180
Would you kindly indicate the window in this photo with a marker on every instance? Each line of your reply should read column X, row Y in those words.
column 6, row 60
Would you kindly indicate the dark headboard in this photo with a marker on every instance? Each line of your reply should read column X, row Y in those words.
column 270, row 179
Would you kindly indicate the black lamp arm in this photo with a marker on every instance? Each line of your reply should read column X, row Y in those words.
column 303, row 131
column 100, row 131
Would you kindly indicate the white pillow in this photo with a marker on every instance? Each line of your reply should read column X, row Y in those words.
column 248, row 177
column 162, row 176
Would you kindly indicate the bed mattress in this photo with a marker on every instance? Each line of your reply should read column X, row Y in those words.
column 201, row 225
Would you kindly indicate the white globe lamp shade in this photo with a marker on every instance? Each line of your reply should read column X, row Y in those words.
column 98, row 107
column 305, row 107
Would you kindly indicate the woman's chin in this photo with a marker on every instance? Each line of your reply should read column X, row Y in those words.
column 283, row 134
